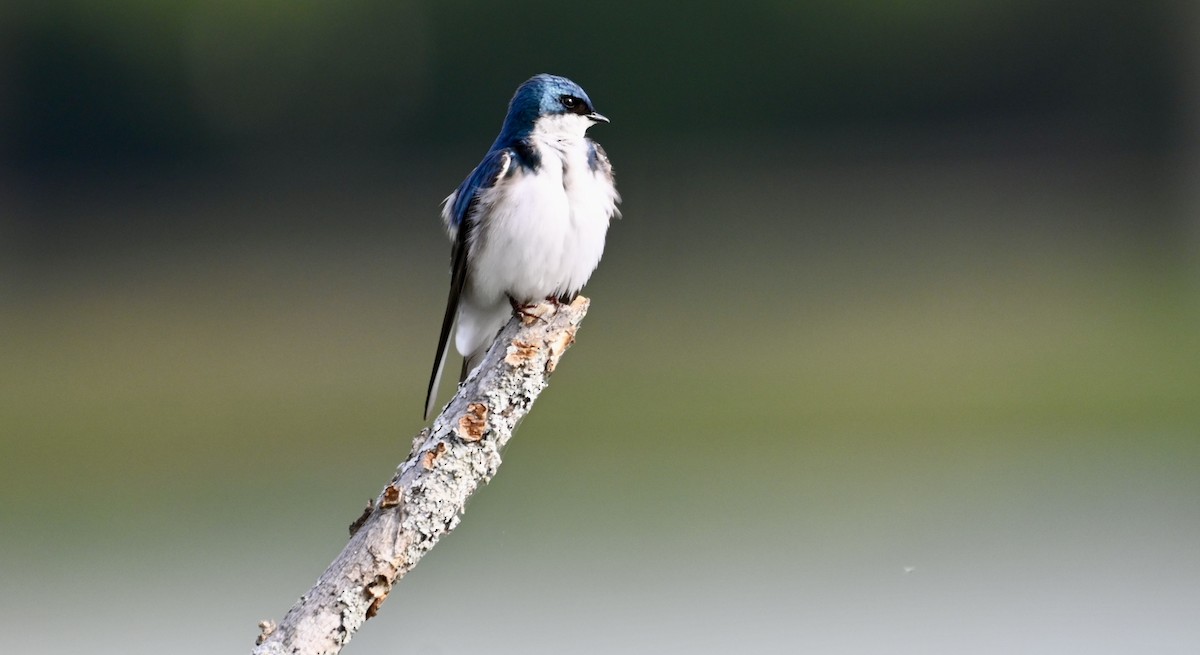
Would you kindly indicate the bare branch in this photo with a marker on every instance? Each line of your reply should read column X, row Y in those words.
column 426, row 497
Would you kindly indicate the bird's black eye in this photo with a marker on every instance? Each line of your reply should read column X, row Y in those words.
column 573, row 104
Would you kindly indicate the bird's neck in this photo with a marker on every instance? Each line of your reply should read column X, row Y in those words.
column 561, row 136
column 560, row 130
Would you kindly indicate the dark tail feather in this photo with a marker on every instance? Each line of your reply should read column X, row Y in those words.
column 431, row 395
column 442, row 350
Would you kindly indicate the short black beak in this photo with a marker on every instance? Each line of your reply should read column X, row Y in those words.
column 597, row 118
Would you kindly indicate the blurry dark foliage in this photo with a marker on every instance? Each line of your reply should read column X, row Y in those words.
column 133, row 82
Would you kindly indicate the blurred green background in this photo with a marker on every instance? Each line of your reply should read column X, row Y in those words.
column 896, row 349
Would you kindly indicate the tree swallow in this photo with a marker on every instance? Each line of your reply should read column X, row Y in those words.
column 529, row 222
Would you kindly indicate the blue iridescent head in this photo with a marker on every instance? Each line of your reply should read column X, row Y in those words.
column 548, row 95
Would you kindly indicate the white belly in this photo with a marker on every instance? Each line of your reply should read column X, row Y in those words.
column 541, row 235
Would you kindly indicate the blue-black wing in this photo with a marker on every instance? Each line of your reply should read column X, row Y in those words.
column 460, row 219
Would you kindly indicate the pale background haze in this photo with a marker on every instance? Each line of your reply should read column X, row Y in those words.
column 896, row 349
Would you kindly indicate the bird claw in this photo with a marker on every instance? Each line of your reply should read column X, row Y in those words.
column 529, row 312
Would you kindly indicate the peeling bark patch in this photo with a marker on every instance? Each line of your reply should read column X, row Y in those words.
column 520, row 352
column 366, row 513
column 473, row 424
column 431, row 456
column 378, row 592
column 266, row 628
column 391, row 496
column 558, row 346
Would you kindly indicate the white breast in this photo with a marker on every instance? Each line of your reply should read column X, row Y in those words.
column 540, row 235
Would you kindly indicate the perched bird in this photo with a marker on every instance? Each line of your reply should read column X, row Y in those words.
column 528, row 224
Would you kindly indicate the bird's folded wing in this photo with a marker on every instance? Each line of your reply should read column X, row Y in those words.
column 459, row 213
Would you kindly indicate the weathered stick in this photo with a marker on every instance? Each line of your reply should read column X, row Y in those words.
column 425, row 498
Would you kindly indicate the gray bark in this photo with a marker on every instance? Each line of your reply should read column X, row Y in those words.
column 426, row 497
